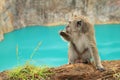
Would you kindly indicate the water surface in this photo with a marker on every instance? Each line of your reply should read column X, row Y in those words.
column 53, row 50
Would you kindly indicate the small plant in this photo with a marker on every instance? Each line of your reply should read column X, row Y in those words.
column 17, row 54
column 32, row 54
column 35, row 50
column 29, row 72
column 116, row 75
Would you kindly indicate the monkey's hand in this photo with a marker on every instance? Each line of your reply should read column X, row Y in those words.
column 100, row 68
column 65, row 35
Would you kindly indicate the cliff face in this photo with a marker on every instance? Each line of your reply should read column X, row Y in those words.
column 20, row 13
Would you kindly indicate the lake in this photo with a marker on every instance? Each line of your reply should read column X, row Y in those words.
column 43, row 46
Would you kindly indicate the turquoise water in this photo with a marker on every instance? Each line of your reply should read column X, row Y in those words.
column 53, row 50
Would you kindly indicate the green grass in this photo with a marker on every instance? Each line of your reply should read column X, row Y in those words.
column 35, row 50
column 30, row 72
column 17, row 54
column 32, row 54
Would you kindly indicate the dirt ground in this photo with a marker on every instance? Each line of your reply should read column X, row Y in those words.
column 82, row 71
column 88, row 72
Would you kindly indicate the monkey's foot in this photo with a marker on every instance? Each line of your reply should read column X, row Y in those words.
column 82, row 61
column 101, row 69
column 78, row 61
column 87, row 61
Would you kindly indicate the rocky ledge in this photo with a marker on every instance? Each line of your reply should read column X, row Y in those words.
column 82, row 72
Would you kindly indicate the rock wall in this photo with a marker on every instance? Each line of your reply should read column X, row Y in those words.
column 15, row 14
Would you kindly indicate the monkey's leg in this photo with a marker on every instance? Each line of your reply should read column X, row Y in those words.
column 72, row 55
column 86, row 57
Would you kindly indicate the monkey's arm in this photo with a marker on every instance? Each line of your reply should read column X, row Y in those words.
column 94, row 49
column 65, row 36
column 96, row 57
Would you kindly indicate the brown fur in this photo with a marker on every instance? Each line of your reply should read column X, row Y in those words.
column 80, row 35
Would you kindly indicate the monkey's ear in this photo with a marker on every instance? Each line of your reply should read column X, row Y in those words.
column 65, row 36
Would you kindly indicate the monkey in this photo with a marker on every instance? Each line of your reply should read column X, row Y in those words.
column 80, row 35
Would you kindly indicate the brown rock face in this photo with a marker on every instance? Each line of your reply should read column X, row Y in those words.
column 87, row 72
column 20, row 13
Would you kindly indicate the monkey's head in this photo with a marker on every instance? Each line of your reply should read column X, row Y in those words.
column 78, row 25
column 75, row 27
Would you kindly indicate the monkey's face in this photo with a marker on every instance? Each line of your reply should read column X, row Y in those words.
column 76, row 27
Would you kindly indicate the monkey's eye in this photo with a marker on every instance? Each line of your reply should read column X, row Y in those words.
column 79, row 23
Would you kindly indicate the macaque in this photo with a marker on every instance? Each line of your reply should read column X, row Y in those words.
column 82, row 45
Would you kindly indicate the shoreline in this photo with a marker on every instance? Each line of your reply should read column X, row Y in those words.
column 65, row 23
column 54, row 24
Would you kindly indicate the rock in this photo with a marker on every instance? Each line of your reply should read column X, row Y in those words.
column 78, row 71
column 88, row 72
column 4, row 75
